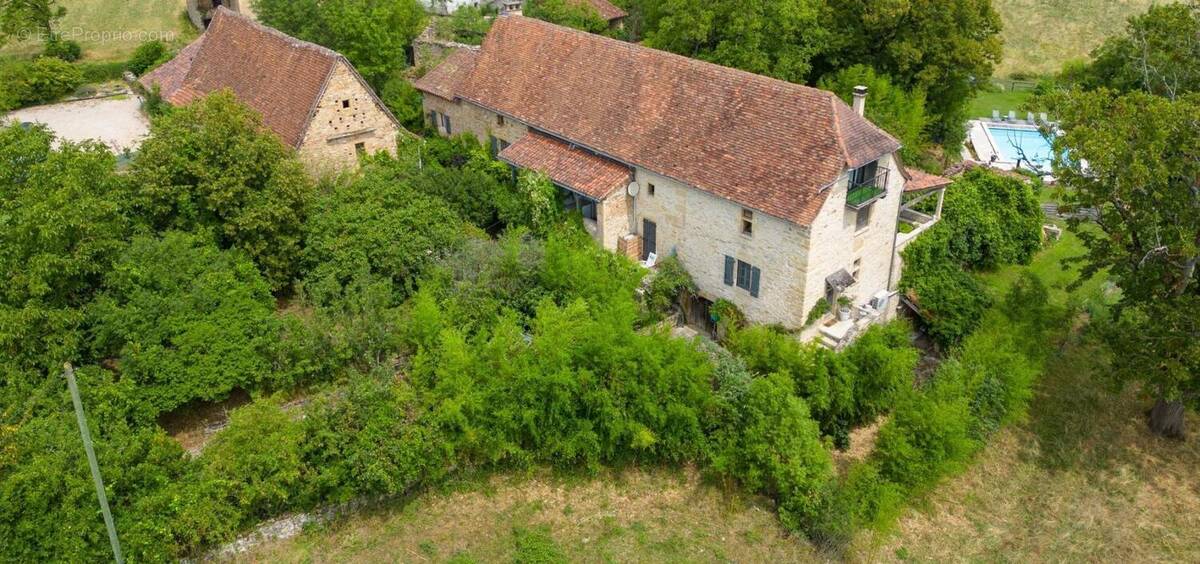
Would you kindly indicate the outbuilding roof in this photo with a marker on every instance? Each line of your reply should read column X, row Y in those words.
column 582, row 171
column 279, row 76
column 764, row 143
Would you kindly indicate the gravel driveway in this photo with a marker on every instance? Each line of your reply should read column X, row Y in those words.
column 117, row 121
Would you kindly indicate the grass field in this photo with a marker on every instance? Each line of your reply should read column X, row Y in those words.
column 1080, row 480
column 1005, row 101
column 1040, row 35
column 111, row 29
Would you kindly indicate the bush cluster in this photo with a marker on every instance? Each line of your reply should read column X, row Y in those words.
column 842, row 390
column 936, row 428
column 988, row 221
column 42, row 80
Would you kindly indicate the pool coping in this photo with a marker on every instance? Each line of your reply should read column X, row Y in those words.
column 981, row 126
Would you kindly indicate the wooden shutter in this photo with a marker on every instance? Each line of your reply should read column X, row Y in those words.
column 755, row 274
column 730, row 263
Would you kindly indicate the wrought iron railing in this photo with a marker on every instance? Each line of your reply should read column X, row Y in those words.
column 863, row 193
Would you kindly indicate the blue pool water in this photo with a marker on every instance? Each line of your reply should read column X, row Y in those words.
column 1008, row 139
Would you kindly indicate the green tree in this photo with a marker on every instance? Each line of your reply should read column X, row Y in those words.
column 372, row 34
column 18, row 17
column 381, row 226
column 897, row 111
column 778, row 39
column 1142, row 176
column 62, row 224
column 948, row 48
column 184, row 320
column 1159, row 53
column 211, row 165
column 258, row 457
column 578, row 14
column 468, row 24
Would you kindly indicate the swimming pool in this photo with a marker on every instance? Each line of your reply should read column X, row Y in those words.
column 1010, row 142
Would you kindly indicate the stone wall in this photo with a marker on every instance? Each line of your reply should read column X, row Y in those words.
column 347, row 120
column 837, row 244
column 702, row 229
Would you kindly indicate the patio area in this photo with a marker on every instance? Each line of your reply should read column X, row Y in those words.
column 116, row 121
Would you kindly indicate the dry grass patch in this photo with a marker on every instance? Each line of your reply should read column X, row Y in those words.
column 1082, row 480
column 639, row 515
column 1040, row 35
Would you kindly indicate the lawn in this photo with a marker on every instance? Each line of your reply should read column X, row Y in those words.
column 111, row 29
column 1002, row 100
column 1080, row 480
column 1040, row 35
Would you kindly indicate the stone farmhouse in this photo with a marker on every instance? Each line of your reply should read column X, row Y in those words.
column 308, row 95
column 773, row 195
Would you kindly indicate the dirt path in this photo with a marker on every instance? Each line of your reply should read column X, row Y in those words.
column 116, row 121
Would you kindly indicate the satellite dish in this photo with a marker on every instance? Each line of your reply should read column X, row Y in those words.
column 633, row 189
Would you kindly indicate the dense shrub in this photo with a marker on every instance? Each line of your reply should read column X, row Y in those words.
column 62, row 223
column 988, row 221
column 775, row 448
column 379, row 226
column 28, row 83
column 842, row 390
column 670, row 281
column 211, row 166
column 98, row 72
column 257, row 460
column 184, row 320
column 62, row 49
column 147, row 56
column 927, row 438
column 951, row 301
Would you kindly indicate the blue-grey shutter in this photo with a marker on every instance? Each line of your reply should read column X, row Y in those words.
column 730, row 263
column 446, row 123
column 755, row 274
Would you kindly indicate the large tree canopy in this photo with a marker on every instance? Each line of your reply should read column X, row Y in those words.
column 62, row 223
column 372, row 34
column 211, row 165
column 777, row 39
column 946, row 47
column 1133, row 158
column 1159, row 53
column 571, row 13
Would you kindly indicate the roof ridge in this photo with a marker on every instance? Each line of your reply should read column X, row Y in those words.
column 636, row 48
column 223, row 13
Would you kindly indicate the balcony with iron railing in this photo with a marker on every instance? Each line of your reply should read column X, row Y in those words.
column 864, row 192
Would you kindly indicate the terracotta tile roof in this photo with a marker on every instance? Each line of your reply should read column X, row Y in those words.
column 607, row 10
column 279, row 76
column 766, row 144
column 920, row 181
column 575, row 168
column 443, row 79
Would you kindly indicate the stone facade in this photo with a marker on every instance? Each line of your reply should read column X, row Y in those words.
column 702, row 229
column 347, row 121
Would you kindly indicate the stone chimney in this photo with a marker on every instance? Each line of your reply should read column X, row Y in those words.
column 860, row 100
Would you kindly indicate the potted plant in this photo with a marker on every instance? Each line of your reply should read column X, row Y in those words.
column 843, row 308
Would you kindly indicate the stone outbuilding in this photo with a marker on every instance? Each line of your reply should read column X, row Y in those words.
column 773, row 195
column 310, row 96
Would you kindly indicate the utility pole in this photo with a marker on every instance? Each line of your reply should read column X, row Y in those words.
column 69, row 372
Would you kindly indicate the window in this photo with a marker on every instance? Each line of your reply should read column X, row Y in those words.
column 862, row 219
column 650, row 188
column 493, row 145
column 360, row 148
column 857, row 268
column 500, row 120
column 864, row 175
column 743, row 275
column 433, row 119
column 446, row 124
column 747, row 222
column 345, row 103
